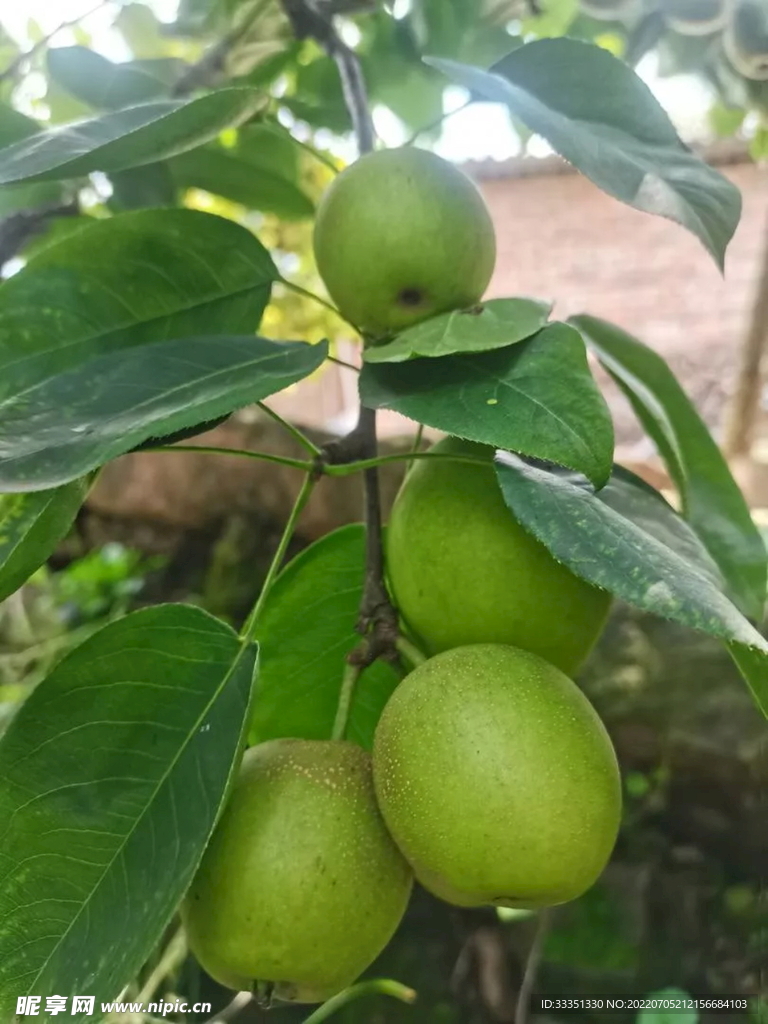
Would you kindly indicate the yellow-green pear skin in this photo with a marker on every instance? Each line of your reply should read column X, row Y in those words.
column 400, row 236
column 301, row 885
column 497, row 779
column 464, row 571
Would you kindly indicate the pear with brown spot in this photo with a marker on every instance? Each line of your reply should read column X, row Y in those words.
column 400, row 236
column 301, row 886
column 497, row 779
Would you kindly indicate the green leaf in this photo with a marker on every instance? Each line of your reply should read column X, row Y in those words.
column 31, row 525
column 226, row 174
column 494, row 324
column 598, row 114
column 151, row 185
column 629, row 541
column 138, row 135
column 112, row 775
column 536, row 397
column 129, row 280
column 711, row 499
column 99, row 82
column 306, row 631
column 79, row 419
column 15, row 126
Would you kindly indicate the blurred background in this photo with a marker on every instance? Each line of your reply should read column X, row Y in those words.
column 684, row 904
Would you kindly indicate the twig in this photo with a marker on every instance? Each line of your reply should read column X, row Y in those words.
column 22, row 58
column 308, row 22
column 295, row 433
column 281, row 460
column 248, row 631
column 232, row 1009
column 172, row 958
column 315, row 298
column 352, row 672
column 18, row 228
column 383, row 987
column 410, row 651
column 532, row 967
column 205, row 71
column 344, row 363
column 438, row 121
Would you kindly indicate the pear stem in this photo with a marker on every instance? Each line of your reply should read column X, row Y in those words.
column 380, row 986
column 410, row 651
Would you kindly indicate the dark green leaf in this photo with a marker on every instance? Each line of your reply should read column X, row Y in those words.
column 138, row 135
column 78, row 420
column 536, row 397
column 112, row 775
column 307, row 629
column 31, row 525
column 151, row 185
column 130, row 280
column 271, row 147
column 629, row 541
column 597, row 113
column 226, row 174
column 99, row 82
column 711, row 499
column 495, row 324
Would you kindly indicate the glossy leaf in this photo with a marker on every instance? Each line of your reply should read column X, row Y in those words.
column 629, row 541
column 536, row 397
column 131, row 137
column 711, row 499
column 306, row 631
column 112, row 775
column 494, row 324
column 31, row 525
column 78, row 420
column 598, row 114
column 99, row 82
column 130, row 280
column 217, row 170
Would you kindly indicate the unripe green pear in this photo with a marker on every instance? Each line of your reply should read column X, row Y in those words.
column 301, row 885
column 745, row 39
column 400, row 236
column 497, row 779
column 464, row 571
column 695, row 17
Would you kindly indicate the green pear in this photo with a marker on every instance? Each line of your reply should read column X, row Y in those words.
column 400, row 236
column 464, row 571
column 746, row 39
column 301, row 885
column 695, row 17
column 497, row 779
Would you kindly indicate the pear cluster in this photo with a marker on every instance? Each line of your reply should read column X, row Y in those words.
column 492, row 779
column 736, row 31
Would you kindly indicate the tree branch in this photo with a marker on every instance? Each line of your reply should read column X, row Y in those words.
column 378, row 618
column 309, row 21
column 19, row 228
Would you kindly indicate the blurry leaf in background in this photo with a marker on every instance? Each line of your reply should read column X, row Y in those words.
column 151, row 185
column 99, row 82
